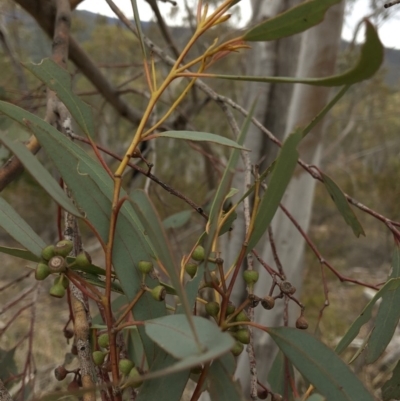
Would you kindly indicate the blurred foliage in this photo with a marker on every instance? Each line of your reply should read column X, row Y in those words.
column 361, row 153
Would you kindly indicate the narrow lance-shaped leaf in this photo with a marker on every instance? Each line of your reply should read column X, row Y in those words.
column 29, row 256
column 342, row 205
column 173, row 334
column 212, row 225
column 278, row 375
column 371, row 58
column 220, row 382
column 170, row 384
column 59, row 80
column 40, row 174
column 92, row 189
column 391, row 389
column 139, row 28
column 280, row 177
column 153, row 228
column 366, row 315
column 295, row 20
column 316, row 397
column 320, row 365
column 387, row 317
column 177, row 220
column 20, row 253
column 19, row 229
column 8, row 365
column 199, row 136
column 226, row 181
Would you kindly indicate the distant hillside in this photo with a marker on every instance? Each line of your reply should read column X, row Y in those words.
column 39, row 46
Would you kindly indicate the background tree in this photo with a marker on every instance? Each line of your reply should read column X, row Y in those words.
column 122, row 89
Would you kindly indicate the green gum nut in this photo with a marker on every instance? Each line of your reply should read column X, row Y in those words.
column 237, row 348
column 212, row 308
column 242, row 317
column 159, row 293
column 57, row 264
column 198, row 253
column 103, row 340
column 191, row 269
column 250, row 277
column 63, row 248
column 48, row 252
column 63, row 280
column 135, row 378
column 230, row 309
column 83, row 260
column 145, row 266
column 42, row 271
column 243, row 335
column 125, row 366
column 57, row 290
column 98, row 357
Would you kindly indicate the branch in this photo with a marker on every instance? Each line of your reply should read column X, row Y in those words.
column 163, row 27
column 44, row 14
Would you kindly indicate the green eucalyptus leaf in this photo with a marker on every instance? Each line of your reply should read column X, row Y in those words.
column 154, row 230
column 40, row 174
column 278, row 377
column 177, row 220
column 199, row 136
column 7, row 362
column 342, row 205
column 138, row 24
column 220, row 382
column 387, row 317
column 20, row 253
column 295, row 20
column 370, row 60
column 391, row 285
column 391, row 389
column 320, row 365
column 170, row 384
column 173, row 334
column 316, row 397
column 92, row 190
column 19, row 229
column 227, row 226
column 280, row 177
column 59, row 80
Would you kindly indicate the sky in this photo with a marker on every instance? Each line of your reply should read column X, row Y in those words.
column 389, row 30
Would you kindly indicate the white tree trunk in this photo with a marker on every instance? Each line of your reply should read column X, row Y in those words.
column 265, row 62
column 318, row 54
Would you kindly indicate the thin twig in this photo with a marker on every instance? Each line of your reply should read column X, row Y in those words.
column 393, row 3
column 146, row 173
column 323, row 261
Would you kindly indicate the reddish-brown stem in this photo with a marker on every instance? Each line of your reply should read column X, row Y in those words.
column 199, row 387
column 341, row 277
column 82, row 284
column 275, row 253
column 267, row 267
column 233, row 279
column 130, row 307
column 172, row 191
column 8, row 324
column 221, row 273
column 129, row 324
column 17, row 280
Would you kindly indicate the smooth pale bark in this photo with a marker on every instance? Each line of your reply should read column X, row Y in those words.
column 266, row 59
column 319, row 48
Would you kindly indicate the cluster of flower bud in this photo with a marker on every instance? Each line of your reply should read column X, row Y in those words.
column 54, row 262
